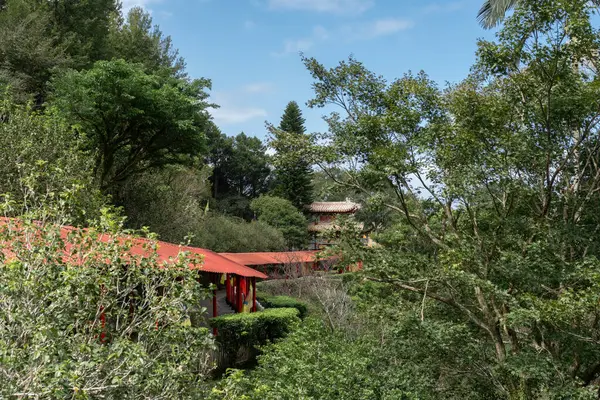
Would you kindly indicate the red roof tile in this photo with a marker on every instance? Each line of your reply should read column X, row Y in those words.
column 166, row 252
column 286, row 257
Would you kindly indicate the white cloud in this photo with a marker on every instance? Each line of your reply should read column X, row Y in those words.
column 258, row 87
column 351, row 32
column 374, row 29
column 387, row 26
column 303, row 44
column 232, row 108
column 249, row 24
column 323, row 6
column 228, row 115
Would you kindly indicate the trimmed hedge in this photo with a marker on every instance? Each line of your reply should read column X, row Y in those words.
column 283, row 302
column 252, row 330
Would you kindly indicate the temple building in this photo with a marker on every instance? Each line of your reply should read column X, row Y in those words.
column 324, row 224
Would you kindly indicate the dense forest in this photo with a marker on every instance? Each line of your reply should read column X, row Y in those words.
column 482, row 197
column 111, row 91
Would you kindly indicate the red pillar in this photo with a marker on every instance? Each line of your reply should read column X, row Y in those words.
column 238, row 284
column 227, row 287
column 253, row 294
column 215, row 311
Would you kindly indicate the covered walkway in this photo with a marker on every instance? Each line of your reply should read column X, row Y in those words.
column 237, row 282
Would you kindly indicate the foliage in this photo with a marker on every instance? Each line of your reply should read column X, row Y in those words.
column 314, row 363
column 131, row 120
column 40, row 39
column 28, row 50
column 252, row 330
column 82, row 28
column 175, row 203
column 138, row 41
column 292, row 120
column 325, row 187
column 293, row 174
column 172, row 202
column 281, row 214
column 222, row 233
column 241, row 170
column 494, row 181
column 493, row 11
column 40, row 161
column 283, row 302
column 81, row 318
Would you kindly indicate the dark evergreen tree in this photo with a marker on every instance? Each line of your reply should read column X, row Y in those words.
column 293, row 174
column 292, row 120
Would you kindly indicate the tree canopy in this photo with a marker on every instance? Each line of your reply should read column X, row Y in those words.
column 281, row 214
column 133, row 121
column 495, row 180
column 293, row 175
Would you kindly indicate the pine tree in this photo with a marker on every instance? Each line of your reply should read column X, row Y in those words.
column 292, row 120
column 294, row 176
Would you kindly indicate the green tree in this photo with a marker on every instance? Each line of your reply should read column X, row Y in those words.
column 492, row 12
column 287, row 365
column 138, row 41
column 81, row 318
column 40, row 38
column 293, row 180
column 241, row 170
column 133, row 121
column 218, row 157
column 495, row 179
column 250, row 170
column 82, row 28
column 171, row 201
column 28, row 50
column 223, row 233
column 40, row 160
column 292, row 120
column 281, row 214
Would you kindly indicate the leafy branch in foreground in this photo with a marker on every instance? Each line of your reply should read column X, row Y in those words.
column 495, row 179
column 83, row 317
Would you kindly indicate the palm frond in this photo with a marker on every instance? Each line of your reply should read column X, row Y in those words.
column 493, row 11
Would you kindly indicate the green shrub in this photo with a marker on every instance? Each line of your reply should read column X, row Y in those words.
column 283, row 302
column 337, row 366
column 251, row 330
column 87, row 327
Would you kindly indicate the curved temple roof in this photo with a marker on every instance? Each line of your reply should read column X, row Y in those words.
column 341, row 207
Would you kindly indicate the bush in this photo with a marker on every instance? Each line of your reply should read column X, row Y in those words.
column 223, row 233
column 281, row 214
column 76, row 323
column 251, row 330
column 335, row 366
column 283, row 302
column 40, row 162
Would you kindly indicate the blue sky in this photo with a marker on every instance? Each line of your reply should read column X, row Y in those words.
column 249, row 48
